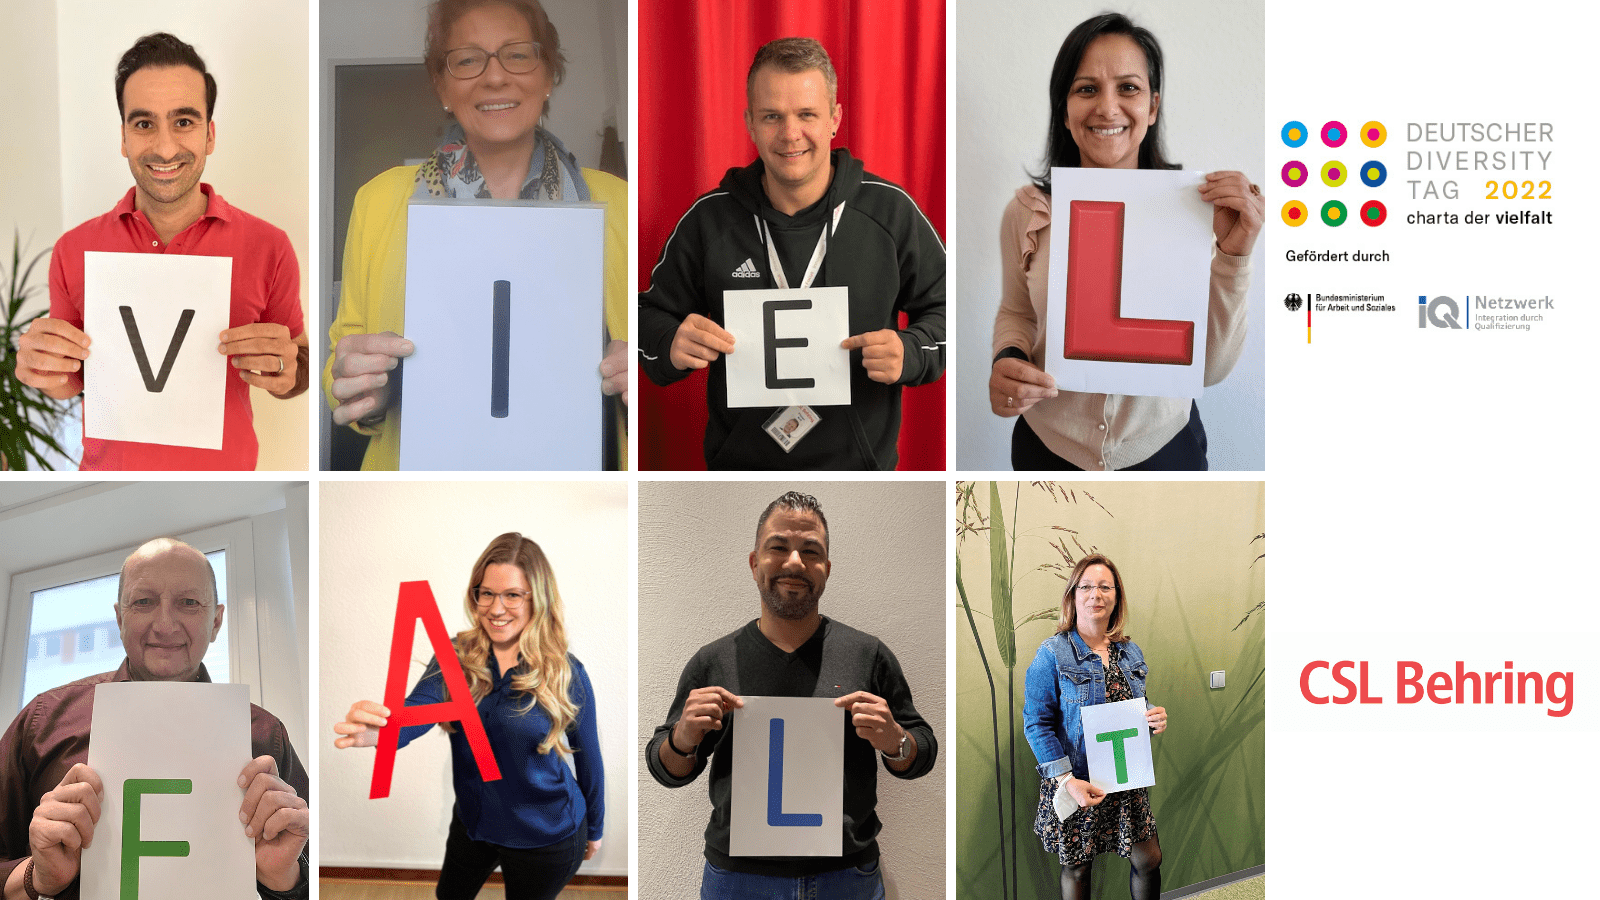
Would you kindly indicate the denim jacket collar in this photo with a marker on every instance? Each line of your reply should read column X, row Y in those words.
column 1128, row 651
column 1080, row 650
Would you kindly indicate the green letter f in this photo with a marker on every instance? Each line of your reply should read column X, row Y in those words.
column 132, row 847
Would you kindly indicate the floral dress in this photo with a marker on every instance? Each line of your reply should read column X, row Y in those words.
column 1120, row 821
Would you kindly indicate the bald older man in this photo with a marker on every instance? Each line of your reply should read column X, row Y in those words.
column 168, row 614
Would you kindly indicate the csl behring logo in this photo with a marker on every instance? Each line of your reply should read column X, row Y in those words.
column 1440, row 312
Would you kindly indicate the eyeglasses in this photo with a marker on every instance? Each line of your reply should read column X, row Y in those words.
column 517, row 58
column 1108, row 590
column 512, row 599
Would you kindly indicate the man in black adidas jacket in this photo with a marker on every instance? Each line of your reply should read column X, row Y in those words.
column 882, row 248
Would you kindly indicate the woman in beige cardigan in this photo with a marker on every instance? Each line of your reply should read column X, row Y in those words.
column 1105, row 93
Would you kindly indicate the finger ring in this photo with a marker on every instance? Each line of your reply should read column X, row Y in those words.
column 1008, row 401
column 280, row 364
column 1255, row 189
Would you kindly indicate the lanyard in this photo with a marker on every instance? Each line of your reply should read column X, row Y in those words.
column 816, row 255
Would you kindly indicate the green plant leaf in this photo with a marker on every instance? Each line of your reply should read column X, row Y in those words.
column 1005, row 635
column 28, row 418
column 1048, row 613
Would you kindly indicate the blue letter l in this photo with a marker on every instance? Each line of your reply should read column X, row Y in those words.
column 775, row 813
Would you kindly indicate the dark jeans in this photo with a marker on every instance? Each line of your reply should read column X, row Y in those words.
column 1184, row 453
column 537, row 874
column 865, row 883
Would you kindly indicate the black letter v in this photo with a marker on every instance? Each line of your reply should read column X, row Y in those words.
column 155, row 382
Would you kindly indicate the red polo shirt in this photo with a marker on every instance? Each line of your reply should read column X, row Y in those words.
column 266, row 288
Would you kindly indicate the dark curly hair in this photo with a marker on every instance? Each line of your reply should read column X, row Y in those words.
column 796, row 502
column 162, row 49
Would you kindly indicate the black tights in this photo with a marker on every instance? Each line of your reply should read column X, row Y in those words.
column 1144, row 881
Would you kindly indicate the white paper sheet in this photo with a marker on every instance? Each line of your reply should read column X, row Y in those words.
column 822, row 326
column 801, row 813
column 1106, row 728
column 552, row 257
column 121, row 402
column 1166, row 265
column 183, row 732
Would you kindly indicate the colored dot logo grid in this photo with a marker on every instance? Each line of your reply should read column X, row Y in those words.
column 1334, row 173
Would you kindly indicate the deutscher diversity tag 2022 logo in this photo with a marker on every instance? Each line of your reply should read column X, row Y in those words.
column 1333, row 173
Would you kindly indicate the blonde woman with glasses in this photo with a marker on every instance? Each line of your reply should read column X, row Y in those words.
column 543, row 818
column 1089, row 661
column 495, row 67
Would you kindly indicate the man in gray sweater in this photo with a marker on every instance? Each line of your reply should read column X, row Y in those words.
column 793, row 651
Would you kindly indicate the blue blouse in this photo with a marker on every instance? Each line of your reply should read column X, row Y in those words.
column 537, row 802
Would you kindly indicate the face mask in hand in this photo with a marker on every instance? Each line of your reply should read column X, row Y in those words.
column 1064, row 804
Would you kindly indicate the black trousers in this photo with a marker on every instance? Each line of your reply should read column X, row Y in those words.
column 1184, row 453
column 537, row 874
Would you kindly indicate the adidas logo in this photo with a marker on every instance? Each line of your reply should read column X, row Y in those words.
column 746, row 270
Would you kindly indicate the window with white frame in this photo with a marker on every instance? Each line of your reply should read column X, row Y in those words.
column 73, row 633
column 61, row 625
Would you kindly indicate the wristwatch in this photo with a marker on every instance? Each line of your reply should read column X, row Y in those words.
column 903, row 752
column 27, row 884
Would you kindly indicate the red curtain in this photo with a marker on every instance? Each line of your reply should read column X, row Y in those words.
column 693, row 57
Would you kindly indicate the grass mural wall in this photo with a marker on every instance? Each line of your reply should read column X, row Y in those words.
column 1192, row 558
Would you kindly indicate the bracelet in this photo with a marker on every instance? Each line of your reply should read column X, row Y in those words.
column 689, row 755
column 1010, row 353
column 27, row 884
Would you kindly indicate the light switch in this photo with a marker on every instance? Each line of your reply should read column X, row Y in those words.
column 1219, row 680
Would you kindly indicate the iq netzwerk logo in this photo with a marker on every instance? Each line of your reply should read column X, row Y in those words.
column 1483, row 312
column 1438, row 312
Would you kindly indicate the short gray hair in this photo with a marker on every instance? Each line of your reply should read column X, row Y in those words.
column 794, row 54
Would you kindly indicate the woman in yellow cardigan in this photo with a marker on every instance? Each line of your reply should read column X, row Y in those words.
column 494, row 66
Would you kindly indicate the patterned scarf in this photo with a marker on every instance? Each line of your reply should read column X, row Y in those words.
column 452, row 171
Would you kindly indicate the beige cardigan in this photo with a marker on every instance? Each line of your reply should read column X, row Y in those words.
column 1102, row 431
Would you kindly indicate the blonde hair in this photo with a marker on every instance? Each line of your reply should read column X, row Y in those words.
column 1069, row 610
column 547, row 673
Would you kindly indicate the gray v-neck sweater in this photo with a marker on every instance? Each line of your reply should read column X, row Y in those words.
column 836, row 661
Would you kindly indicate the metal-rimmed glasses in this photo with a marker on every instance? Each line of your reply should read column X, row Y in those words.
column 512, row 599
column 517, row 58
column 1106, row 590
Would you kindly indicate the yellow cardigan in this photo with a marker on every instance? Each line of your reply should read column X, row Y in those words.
column 373, row 290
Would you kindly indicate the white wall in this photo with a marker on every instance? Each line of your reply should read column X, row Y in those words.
column 1213, row 106
column 375, row 535
column 30, row 200
column 887, row 545
column 258, row 53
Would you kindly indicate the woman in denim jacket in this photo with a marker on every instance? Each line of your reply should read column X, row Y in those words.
column 1088, row 661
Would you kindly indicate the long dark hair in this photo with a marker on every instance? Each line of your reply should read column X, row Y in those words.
column 1060, row 149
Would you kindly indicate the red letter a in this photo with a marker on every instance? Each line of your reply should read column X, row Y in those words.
column 1095, row 326
column 416, row 602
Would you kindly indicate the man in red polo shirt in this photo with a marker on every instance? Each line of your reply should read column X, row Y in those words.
column 165, row 98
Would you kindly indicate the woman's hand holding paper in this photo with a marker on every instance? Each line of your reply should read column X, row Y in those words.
column 1239, row 211
column 361, row 724
column 361, row 367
